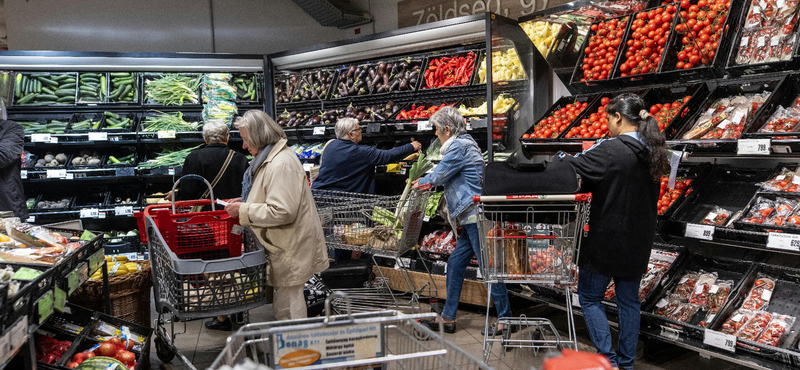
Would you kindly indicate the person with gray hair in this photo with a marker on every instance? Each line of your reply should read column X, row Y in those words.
column 347, row 166
column 279, row 213
column 460, row 172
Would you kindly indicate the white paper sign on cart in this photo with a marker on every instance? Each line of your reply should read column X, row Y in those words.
column 326, row 345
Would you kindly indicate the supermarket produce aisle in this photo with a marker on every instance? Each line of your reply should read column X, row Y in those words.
column 202, row 345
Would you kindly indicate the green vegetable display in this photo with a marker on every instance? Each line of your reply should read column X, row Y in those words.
column 116, row 122
column 246, row 86
column 52, row 127
column 45, row 88
column 173, row 89
column 92, row 88
column 123, row 87
column 87, row 124
column 166, row 121
column 167, row 158
column 128, row 159
column 383, row 216
column 433, row 204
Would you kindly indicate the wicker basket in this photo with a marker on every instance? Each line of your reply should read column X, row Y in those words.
column 130, row 295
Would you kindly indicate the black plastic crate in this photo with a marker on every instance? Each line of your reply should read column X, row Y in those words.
column 155, row 76
column 360, row 71
column 241, row 94
column 425, row 104
column 189, row 117
column 124, row 193
column 670, row 93
column 53, row 198
column 308, row 84
column 91, row 197
column 592, row 109
column 88, row 95
column 736, row 69
column 52, row 81
column 559, row 104
column 716, row 67
column 578, row 74
column 95, row 118
column 616, row 77
column 734, row 270
column 57, row 363
column 452, row 53
column 412, row 84
column 697, row 173
column 784, row 96
column 121, row 244
column 742, row 224
column 106, row 125
column 42, row 154
column 74, row 320
column 120, row 153
column 730, row 89
column 24, row 302
column 23, row 118
column 76, row 163
column 112, row 89
column 784, row 300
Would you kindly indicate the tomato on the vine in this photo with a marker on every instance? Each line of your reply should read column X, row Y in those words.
column 648, row 38
column 664, row 113
column 602, row 49
column 552, row 126
column 700, row 26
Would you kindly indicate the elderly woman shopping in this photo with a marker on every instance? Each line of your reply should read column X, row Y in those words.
column 278, row 209
column 460, row 172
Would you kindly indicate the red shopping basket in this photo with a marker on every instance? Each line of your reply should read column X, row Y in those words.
column 206, row 235
column 577, row 360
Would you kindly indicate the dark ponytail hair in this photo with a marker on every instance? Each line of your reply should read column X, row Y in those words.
column 632, row 108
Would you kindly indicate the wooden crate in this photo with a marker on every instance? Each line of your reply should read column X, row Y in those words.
column 473, row 292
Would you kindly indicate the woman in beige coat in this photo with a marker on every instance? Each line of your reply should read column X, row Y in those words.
column 279, row 211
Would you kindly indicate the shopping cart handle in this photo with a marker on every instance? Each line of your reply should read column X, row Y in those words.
column 424, row 187
column 581, row 197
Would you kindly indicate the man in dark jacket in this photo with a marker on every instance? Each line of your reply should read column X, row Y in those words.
column 347, row 166
column 208, row 161
column 12, row 198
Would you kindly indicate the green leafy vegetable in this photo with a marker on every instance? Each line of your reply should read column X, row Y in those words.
column 167, row 158
column 173, row 89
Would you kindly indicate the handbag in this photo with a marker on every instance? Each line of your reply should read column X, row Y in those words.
column 314, row 171
column 216, row 180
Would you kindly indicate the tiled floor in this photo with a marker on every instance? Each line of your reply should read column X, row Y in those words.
column 201, row 346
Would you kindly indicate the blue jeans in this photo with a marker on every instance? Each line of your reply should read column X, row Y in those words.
column 469, row 244
column 591, row 290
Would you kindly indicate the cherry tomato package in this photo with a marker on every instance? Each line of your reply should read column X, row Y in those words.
column 760, row 211
column 717, row 217
column 776, row 329
column 783, row 120
column 702, row 288
column 753, row 329
column 686, row 286
column 786, row 181
column 727, row 117
column 667, row 305
column 717, row 296
column 684, row 312
column 760, row 294
column 737, row 321
column 784, row 208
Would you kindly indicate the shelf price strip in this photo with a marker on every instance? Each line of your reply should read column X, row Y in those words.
column 753, row 147
column 720, row 340
column 782, row 241
column 704, row 232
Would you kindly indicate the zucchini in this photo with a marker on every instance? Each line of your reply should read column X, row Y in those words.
column 66, row 99
column 39, row 74
column 125, row 81
column 89, row 79
column 65, row 92
column 18, row 85
column 120, row 74
column 89, row 89
column 27, row 89
column 27, row 98
column 115, row 94
column 46, row 97
column 126, row 90
column 112, row 115
column 38, row 86
column 47, row 81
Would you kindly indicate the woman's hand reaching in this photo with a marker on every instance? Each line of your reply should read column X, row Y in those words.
column 233, row 208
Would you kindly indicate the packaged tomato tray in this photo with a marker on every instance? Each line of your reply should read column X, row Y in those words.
column 717, row 296
column 684, row 312
column 686, row 286
column 759, row 295
column 786, row 181
column 726, row 118
column 667, row 305
column 769, row 32
column 753, row 329
column 782, row 121
column 660, row 262
column 737, row 321
column 717, row 217
column 702, row 288
column 776, row 329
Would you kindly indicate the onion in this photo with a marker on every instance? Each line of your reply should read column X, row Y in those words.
column 108, row 350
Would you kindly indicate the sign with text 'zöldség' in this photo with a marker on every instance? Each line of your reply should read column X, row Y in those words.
column 416, row 12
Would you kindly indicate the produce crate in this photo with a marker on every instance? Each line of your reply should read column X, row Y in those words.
column 103, row 158
column 59, row 83
column 96, row 118
column 783, row 301
column 716, row 68
column 52, row 198
column 593, row 108
column 124, row 192
column 425, row 104
column 737, row 70
column 57, row 362
column 338, row 87
column 503, row 46
column 258, row 84
column 413, row 83
column 29, row 293
column 617, row 79
column 737, row 271
column 559, row 104
column 119, row 153
column 785, row 96
column 154, row 76
column 187, row 117
column 121, row 244
column 136, row 87
column 307, row 84
column 90, row 77
column 577, row 73
column 105, row 126
column 75, row 320
column 697, row 173
column 729, row 89
column 41, row 154
column 670, row 93
column 42, row 119
column 91, row 197
column 786, row 227
column 666, row 278
column 451, row 53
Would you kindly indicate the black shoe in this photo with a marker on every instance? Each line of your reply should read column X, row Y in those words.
column 215, row 324
column 506, row 331
column 448, row 328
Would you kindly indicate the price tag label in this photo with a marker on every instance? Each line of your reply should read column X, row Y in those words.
column 373, row 127
column 762, row 41
column 56, row 174
column 307, row 166
column 168, row 134
column 31, row 219
column 402, row 171
column 98, row 136
column 783, row 241
column 123, row 211
column 45, row 306
column 171, row 171
column 24, row 174
column 319, row 130
column 73, row 281
column 775, row 41
column 70, row 176
column 756, row 10
column 704, row 232
column 424, row 126
column 40, row 138
column 101, row 215
column 753, row 147
column 720, row 340
column 90, row 213
column 54, row 140
column 59, row 300
column 469, row 126
column 781, row 3
column 426, row 218
column 745, row 41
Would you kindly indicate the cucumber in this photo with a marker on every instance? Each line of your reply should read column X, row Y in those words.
column 38, row 74
column 27, row 98
column 112, row 121
column 89, row 89
column 59, row 77
column 47, row 81
column 38, row 86
column 65, row 92
column 69, row 80
column 126, row 81
column 67, row 86
column 120, row 74
column 89, row 79
column 66, row 99
column 55, row 126
column 47, row 97
column 112, row 115
column 115, row 94
column 27, row 89
column 126, row 90
column 18, row 85
column 47, row 90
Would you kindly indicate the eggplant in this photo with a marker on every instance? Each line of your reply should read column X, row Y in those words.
column 351, row 71
column 394, row 85
column 383, row 89
column 362, row 75
column 382, row 68
column 403, row 84
column 372, row 73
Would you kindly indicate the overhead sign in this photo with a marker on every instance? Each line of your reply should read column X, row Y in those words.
column 416, row 12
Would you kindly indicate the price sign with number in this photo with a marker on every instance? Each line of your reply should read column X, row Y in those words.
column 98, row 136
column 123, row 211
column 31, row 219
column 753, row 147
column 424, row 126
column 319, row 130
column 56, row 174
column 307, row 166
column 40, row 138
column 704, row 232
column 783, row 241
column 90, row 213
column 168, row 134
column 24, row 174
column 720, row 340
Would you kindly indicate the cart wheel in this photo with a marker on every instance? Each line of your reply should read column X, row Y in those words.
column 163, row 350
column 420, row 335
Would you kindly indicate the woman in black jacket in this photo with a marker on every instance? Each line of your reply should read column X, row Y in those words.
column 623, row 174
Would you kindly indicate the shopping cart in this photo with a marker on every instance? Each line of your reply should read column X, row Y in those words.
column 532, row 239
column 383, row 226
column 200, row 267
column 383, row 339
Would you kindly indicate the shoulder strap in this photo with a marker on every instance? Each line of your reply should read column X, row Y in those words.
column 220, row 173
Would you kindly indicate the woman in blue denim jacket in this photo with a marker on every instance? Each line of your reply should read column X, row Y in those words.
column 460, row 172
